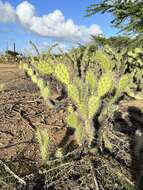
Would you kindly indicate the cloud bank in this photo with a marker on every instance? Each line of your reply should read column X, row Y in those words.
column 52, row 25
column 7, row 12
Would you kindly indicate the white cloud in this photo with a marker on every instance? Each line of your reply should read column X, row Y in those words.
column 7, row 12
column 25, row 12
column 52, row 25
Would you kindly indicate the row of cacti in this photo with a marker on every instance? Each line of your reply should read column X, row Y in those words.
column 87, row 91
column 129, row 61
column 123, row 61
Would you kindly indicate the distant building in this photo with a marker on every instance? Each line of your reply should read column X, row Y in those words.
column 12, row 53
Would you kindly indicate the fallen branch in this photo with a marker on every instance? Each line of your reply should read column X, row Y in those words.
column 21, row 181
column 94, row 177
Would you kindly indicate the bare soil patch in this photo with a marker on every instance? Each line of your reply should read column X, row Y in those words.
column 22, row 111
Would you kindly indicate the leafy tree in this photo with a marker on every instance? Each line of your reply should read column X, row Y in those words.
column 117, row 42
column 128, row 14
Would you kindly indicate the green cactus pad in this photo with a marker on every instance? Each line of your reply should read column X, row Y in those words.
column 90, row 80
column 105, row 84
column 79, row 135
column 34, row 79
column 62, row 74
column 93, row 106
column 45, row 92
column 40, row 83
column 132, row 54
column 72, row 120
column 30, row 72
column 43, row 141
column 104, row 61
column 83, row 109
column 138, row 50
column 123, row 82
column 73, row 93
column 45, row 68
column 79, row 84
column 24, row 66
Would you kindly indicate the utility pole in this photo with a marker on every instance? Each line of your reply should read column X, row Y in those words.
column 14, row 47
column 7, row 46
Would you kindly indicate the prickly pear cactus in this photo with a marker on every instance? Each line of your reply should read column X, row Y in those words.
column 42, row 138
column 73, row 93
column 93, row 106
column 44, row 67
column 74, row 122
column 90, row 80
column 104, row 61
column 105, row 84
column 86, row 84
column 62, row 73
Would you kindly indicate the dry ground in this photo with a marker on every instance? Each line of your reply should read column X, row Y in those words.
column 22, row 111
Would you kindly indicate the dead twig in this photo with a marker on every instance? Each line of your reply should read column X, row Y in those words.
column 94, row 177
column 21, row 181
column 25, row 118
column 18, row 143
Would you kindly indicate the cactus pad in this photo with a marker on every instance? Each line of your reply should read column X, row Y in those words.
column 62, row 74
column 105, row 84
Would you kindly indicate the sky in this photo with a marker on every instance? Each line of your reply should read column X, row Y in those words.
column 50, row 21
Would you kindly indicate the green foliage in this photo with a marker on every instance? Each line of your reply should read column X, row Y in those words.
column 79, row 84
column 123, row 82
column 128, row 15
column 128, row 61
column 117, row 42
column 83, row 109
column 72, row 120
column 40, row 83
column 44, row 89
column 135, row 65
column 79, row 134
column 105, row 84
column 93, row 106
column 73, row 93
column 45, row 92
column 43, row 141
column 24, row 66
column 103, row 60
column 62, row 74
column 34, row 79
column 89, row 81
column 30, row 72
column 44, row 67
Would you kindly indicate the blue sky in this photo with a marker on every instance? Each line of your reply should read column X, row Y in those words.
column 15, row 26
